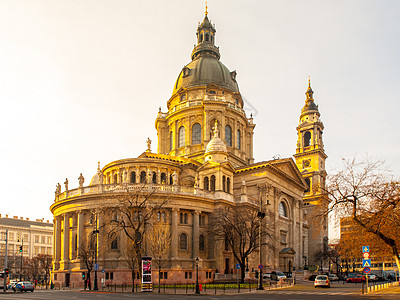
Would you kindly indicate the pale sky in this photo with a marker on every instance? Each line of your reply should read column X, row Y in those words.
column 81, row 81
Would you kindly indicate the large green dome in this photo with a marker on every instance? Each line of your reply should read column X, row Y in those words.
column 205, row 67
column 203, row 71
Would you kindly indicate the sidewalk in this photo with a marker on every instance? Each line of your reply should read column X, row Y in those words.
column 394, row 290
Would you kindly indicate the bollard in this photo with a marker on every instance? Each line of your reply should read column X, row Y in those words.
column 215, row 289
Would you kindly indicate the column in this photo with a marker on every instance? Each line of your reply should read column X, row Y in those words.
column 65, row 256
column 195, row 235
column 174, row 234
column 80, row 237
column 57, row 239
column 137, row 175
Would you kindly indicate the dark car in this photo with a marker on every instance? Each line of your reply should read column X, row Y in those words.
column 312, row 277
column 24, row 286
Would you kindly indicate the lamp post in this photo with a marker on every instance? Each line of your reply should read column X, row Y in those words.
column 305, row 263
column 261, row 216
column 96, row 232
column 197, row 276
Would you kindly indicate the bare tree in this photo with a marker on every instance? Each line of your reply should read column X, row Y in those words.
column 365, row 192
column 45, row 261
column 87, row 252
column 238, row 227
column 130, row 213
column 159, row 240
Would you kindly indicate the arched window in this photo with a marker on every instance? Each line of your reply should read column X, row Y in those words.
column 183, row 241
column 283, row 210
column 115, row 178
column 133, row 177
column 224, row 183
column 201, row 38
column 114, row 242
column 207, row 37
column 154, row 179
column 238, row 139
column 206, row 184
column 201, row 242
column 143, row 177
column 171, row 141
column 181, row 138
column 212, row 38
column 307, row 180
column 171, row 180
column 196, row 134
column 228, row 135
column 228, row 185
column 212, row 183
column 307, row 139
column 163, row 178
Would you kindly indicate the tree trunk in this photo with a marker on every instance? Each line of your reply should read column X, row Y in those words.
column 133, row 280
column 242, row 272
column 88, row 278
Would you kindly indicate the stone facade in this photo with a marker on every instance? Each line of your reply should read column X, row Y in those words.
column 204, row 161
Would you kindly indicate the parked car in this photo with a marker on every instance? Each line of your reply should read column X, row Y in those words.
column 12, row 284
column 24, row 286
column 333, row 277
column 277, row 275
column 372, row 277
column 267, row 275
column 312, row 277
column 322, row 281
column 357, row 278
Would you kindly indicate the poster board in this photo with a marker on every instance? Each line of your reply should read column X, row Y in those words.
column 146, row 274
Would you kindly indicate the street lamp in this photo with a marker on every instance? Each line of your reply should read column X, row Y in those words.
column 305, row 263
column 96, row 232
column 261, row 216
column 197, row 276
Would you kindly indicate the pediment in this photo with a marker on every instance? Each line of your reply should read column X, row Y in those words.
column 288, row 167
column 211, row 165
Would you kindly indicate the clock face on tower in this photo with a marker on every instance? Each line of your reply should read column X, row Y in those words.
column 306, row 163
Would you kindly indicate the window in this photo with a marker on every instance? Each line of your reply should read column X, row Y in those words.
column 114, row 244
column 133, row 177
column 36, row 250
column 196, row 134
column 49, row 250
column 224, row 183
column 115, row 178
column 201, row 242
column 228, row 185
column 36, row 239
column 163, row 178
column 171, row 180
column 202, row 220
column 307, row 139
column 143, row 177
column 212, row 183
column 154, row 179
column 11, row 236
column 283, row 238
column 228, row 135
column 181, row 138
column 282, row 210
column 207, row 36
column 183, row 218
column 206, row 184
column 307, row 180
column 183, row 241
column 26, row 238
column 171, row 141
column 238, row 139
column 43, row 239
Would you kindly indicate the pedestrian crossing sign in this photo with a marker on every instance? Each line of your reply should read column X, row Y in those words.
column 366, row 263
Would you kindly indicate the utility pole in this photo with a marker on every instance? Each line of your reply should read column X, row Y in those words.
column 5, row 264
column 96, row 267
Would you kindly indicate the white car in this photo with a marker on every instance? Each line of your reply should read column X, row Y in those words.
column 333, row 277
column 322, row 281
column 277, row 275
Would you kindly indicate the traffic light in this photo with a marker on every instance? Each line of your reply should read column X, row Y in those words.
column 20, row 248
column 7, row 270
column 83, row 275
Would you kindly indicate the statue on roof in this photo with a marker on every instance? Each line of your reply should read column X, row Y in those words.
column 81, row 180
column 148, row 145
column 66, row 184
column 58, row 189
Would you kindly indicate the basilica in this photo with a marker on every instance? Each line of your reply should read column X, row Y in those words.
column 204, row 161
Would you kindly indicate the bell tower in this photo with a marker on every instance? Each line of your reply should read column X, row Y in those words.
column 310, row 159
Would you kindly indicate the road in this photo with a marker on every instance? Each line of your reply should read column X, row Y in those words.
column 303, row 290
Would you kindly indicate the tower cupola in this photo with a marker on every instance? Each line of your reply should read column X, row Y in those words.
column 310, row 107
column 205, row 40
